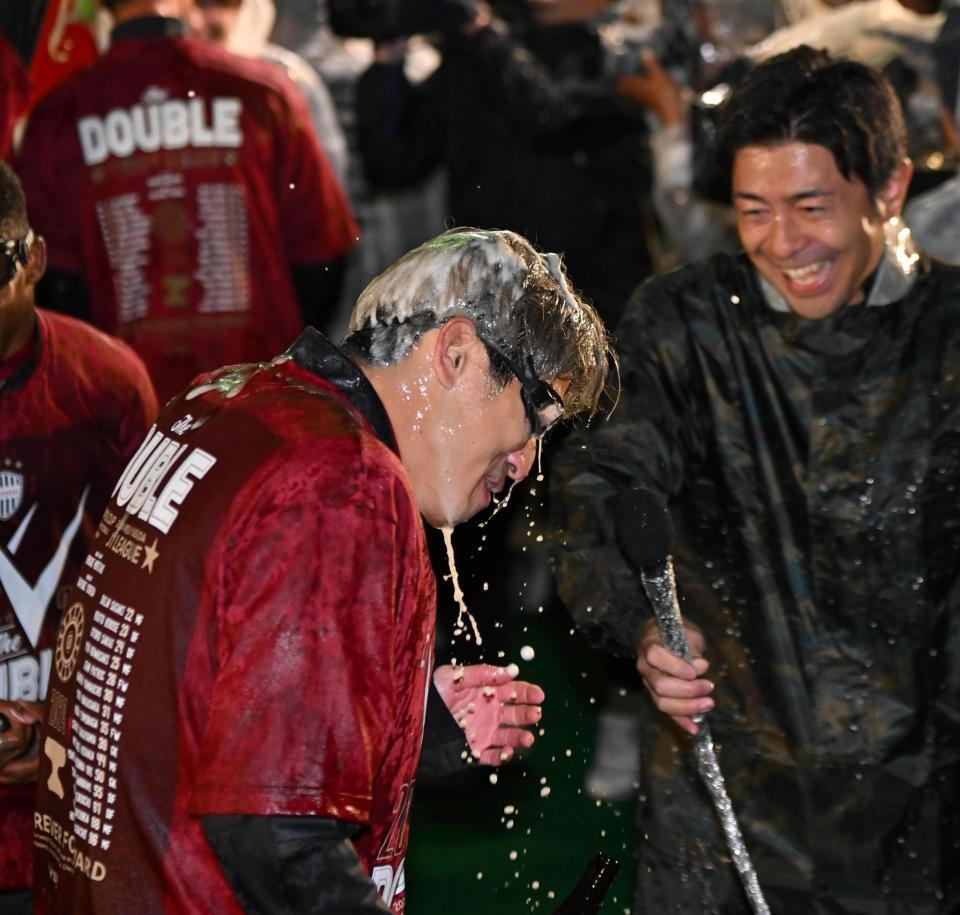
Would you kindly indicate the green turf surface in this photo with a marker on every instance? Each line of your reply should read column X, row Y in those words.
column 470, row 855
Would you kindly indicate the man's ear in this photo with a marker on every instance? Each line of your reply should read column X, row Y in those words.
column 894, row 192
column 456, row 345
column 37, row 260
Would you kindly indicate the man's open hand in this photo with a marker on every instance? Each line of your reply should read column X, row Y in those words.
column 492, row 707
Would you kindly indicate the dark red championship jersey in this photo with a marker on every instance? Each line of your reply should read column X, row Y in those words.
column 71, row 416
column 253, row 634
column 15, row 95
column 182, row 182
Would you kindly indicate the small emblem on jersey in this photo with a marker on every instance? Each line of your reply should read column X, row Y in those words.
column 57, row 754
column 184, row 425
column 11, row 493
column 57, row 711
column 68, row 642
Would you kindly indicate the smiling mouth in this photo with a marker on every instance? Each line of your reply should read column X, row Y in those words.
column 808, row 277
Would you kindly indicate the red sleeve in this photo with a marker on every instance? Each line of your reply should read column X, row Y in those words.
column 315, row 217
column 304, row 693
column 109, row 384
column 140, row 409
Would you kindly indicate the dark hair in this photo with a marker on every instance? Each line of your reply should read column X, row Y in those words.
column 13, row 205
column 807, row 96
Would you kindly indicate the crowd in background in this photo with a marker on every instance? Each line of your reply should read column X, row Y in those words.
column 587, row 126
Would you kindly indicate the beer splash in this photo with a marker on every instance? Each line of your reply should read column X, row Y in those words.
column 455, row 580
column 499, row 504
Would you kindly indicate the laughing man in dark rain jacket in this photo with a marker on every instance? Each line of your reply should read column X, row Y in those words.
column 799, row 408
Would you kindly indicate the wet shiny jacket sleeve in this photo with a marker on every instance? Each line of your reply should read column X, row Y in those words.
column 648, row 440
column 292, row 865
column 445, row 748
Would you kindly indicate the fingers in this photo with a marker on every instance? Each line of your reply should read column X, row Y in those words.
column 514, row 737
column 510, row 711
column 474, row 676
column 676, row 691
column 500, row 680
column 664, row 659
column 678, row 688
column 651, row 652
column 502, row 750
column 679, row 697
column 520, row 715
column 495, row 756
column 658, row 658
column 23, row 712
column 521, row 692
column 695, row 639
column 688, row 725
column 667, row 686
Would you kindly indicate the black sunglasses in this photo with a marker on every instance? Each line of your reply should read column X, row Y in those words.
column 16, row 251
column 543, row 404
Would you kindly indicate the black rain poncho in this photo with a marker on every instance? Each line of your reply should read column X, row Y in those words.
column 533, row 137
column 812, row 470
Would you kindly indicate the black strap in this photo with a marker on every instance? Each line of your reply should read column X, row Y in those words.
column 314, row 352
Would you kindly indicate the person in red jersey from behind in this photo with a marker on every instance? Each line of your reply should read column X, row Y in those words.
column 248, row 674
column 204, row 224
column 16, row 92
column 74, row 404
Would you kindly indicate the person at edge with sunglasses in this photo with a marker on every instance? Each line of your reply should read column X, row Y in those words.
column 74, row 404
column 263, row 663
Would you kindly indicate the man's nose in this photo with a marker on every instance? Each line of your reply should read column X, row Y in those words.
column 785, row 237
column 520, row 462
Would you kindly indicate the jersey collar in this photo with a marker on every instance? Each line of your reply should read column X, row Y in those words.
column 314, row 352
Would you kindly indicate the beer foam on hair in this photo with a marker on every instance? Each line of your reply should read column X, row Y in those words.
column 473, row 273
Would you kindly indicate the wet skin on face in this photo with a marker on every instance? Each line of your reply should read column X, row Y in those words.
column 462, row 435
column 485, row 442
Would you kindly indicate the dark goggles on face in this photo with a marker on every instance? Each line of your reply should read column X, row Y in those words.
column 14, row 252
column 543, row 404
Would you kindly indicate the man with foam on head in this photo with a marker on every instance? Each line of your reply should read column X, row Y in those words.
column 798, row 406
column 251, row 660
